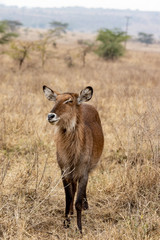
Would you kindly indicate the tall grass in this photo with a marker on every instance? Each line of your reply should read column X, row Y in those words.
column 124, row 191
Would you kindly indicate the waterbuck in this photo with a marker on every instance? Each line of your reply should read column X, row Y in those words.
column 79, row 141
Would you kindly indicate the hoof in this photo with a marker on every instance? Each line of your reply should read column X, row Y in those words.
column 66, row 223
column 79, row 231
column 85, row 204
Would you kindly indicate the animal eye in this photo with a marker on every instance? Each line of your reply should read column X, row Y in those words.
column 68, row 101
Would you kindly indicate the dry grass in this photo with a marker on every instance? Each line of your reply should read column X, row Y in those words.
column 124, row 191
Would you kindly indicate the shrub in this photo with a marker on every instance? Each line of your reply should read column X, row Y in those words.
column 110, row 46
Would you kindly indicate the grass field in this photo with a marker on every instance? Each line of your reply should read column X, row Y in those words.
column 124, row 190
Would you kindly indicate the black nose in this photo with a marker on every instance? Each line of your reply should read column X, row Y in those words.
column 51, row 116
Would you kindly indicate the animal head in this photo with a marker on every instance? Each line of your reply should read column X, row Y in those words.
column 66, row 105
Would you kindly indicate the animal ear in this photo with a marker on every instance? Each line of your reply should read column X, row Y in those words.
column 85, row 95
column 49, row 93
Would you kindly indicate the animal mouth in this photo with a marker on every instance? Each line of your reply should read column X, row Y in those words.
column 53, row 121
column 53, row 118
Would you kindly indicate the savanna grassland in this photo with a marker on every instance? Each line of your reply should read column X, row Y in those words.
column 124, row 190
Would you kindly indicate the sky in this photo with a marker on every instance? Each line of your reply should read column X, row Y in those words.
column 144, row 5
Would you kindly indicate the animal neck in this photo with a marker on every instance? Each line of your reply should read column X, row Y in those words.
column 71, row 133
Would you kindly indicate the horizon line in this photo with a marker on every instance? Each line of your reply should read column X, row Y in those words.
column 76, row 6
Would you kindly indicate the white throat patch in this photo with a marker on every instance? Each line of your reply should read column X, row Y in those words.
column 70, row 127
column 72, row 124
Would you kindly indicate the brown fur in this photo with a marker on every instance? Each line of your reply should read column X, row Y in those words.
column 79, row 140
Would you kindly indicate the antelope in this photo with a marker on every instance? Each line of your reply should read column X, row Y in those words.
column 79, row 141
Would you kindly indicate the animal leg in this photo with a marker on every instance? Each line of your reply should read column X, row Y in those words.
column 69, row 198
column 80, row 196
column 85, row 202
column 74, row 186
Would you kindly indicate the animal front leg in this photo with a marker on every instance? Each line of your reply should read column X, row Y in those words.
column 85, row 202
column 74, row 186
column 69, row 198
column 80, row 196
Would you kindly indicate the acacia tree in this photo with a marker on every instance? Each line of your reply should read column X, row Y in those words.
column 111, row 43
column 41, row 47
column 86, row 47
column 58, row 28
column 19, row 51
column 12, row 25
column 56, row 31
column 145, row 38
column 5, row 35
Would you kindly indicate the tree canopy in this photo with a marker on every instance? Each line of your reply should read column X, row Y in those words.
column 110, row 43
column 57, row 28
column 145, row 38
column 5, row 35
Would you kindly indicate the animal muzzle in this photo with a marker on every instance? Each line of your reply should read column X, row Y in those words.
column 52, row 118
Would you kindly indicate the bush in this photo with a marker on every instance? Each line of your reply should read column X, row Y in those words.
column 110, row 46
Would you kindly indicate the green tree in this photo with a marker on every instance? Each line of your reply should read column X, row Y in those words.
column 58, row 28
column 49, row 38
column 19, row 51
column 41, row 46
column 145, row 38
column 13, row 25
column 5, row 35
column 110, row 43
